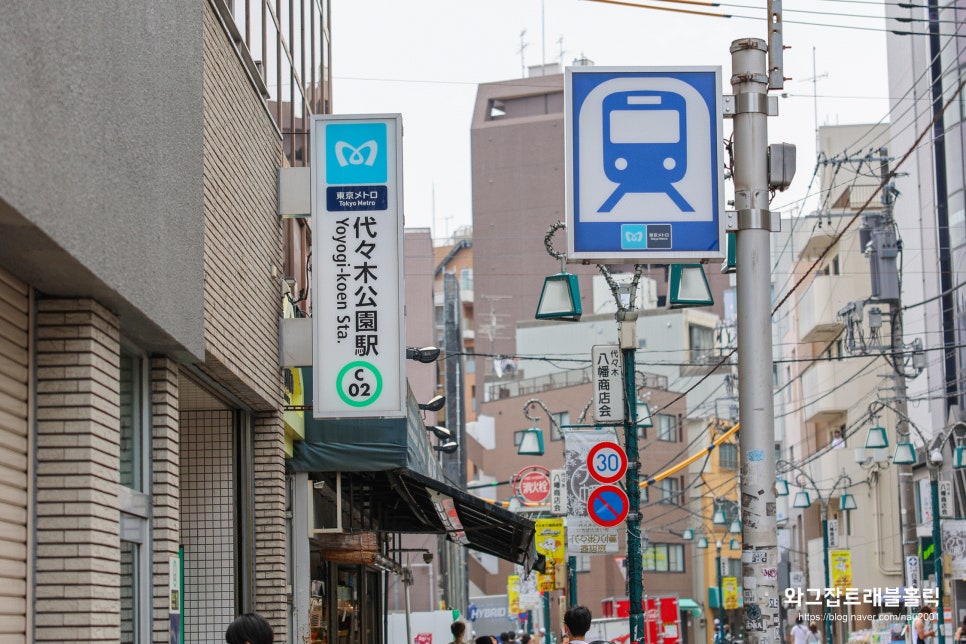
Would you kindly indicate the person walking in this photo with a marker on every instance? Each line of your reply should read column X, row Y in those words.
column 577, row 619
column 919, row 632
column 960, row 636
column 799, row 632
column 250, row 628
column 813, row 635
column 458, row 629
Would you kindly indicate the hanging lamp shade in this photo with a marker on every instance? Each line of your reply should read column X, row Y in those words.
column 905, row 454
column 959, row 458
column 876, row 438
column 802, row 500
column 531, row 442
column 702, row 542
column 847, row 502
column 688, row 534
column 781, row 487
column 560, row 298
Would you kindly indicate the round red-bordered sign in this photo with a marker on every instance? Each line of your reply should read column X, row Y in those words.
column 534, row 487
column 607, row 505
column 607, row 462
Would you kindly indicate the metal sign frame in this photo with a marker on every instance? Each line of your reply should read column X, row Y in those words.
column 358, row 327
column 645, row 172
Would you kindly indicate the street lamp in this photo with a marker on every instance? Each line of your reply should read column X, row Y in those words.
column 803, row 500
column 934, row 461
column 626, row 317
column 531, row 440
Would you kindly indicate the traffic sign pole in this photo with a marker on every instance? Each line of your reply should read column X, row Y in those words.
column 635, row 590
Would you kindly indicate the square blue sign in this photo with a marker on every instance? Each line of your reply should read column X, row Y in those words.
column 355, row 153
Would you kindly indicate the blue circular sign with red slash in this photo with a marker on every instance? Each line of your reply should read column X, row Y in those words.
column 607, row 462
column 607, row 505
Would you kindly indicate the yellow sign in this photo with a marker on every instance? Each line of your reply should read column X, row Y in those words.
column 550, row 542
column 513, row 593
column 840, row 567
column 729, row 588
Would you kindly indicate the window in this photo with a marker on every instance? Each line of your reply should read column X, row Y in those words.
column 134, row 465
column 466, row 279
column 667, row 428
column 583, row 563
column 728, row 456
column 470, row 365
column 559, row 420
column 670, row 488
column 663, row 557
column 730, row 567
column 700, row 342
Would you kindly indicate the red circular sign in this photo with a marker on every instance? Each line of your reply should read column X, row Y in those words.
column 607, row 505
column 534, row 487
column 607, row 462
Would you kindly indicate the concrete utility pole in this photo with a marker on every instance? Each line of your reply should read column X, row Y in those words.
column 759, row 560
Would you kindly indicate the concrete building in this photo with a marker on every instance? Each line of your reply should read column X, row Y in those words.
column 926, row 78
column 142, row 264
column 829, row 394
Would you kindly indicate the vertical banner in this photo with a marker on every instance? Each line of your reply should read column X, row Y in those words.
column 729, row 590
column 513, row 594
column 174, row 599
column 357, row 319
column 549, row 540
column 584, row 535
column 608, row 384
column 840, row 567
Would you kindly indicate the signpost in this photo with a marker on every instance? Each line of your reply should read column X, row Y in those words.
column 644, row 164
column 608, row 384
column 358, row 326
column 607, row 505
column 607, row 462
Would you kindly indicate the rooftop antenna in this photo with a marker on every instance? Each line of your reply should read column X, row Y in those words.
column 523, row 47
column 815, row 78
column 560, row 46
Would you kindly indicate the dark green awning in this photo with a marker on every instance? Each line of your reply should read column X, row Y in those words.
column 391, row 463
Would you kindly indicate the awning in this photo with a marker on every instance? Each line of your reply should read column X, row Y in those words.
column 389, row 470
column 689, row 604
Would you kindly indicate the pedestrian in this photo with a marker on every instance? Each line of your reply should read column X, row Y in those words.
column 484, row 639
column 458, row 629
column 250, row 628
column 919, row 632
column 813, row 636
column 577, row 619
column 525, row 638
column 960, row 636
column 799, row 632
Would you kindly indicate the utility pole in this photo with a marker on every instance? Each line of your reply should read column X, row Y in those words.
column 755, row 392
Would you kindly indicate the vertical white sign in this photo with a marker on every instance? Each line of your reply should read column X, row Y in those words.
column 945, row 490
column 608, row 384
column 833, row 533
column 913, row 575
column 558, row 492
column 357, row 318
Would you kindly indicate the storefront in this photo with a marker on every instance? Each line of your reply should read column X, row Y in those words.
column 356, row 485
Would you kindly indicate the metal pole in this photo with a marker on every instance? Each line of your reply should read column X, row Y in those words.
column 937, row 542
column 546, row 614
column 721, row 615
column 907, row 494
column 571, row 581
column 828, row 580
column 755, row 394
column 635, row 583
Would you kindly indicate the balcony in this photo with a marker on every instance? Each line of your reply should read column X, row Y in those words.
column 818, row 308
column 826, row 394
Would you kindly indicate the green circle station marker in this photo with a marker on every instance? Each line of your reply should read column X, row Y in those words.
column 359, row 384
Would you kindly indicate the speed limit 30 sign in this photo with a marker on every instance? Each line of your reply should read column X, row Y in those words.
column 607, row 462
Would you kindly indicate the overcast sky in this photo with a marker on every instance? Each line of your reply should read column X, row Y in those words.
column 424, row 59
